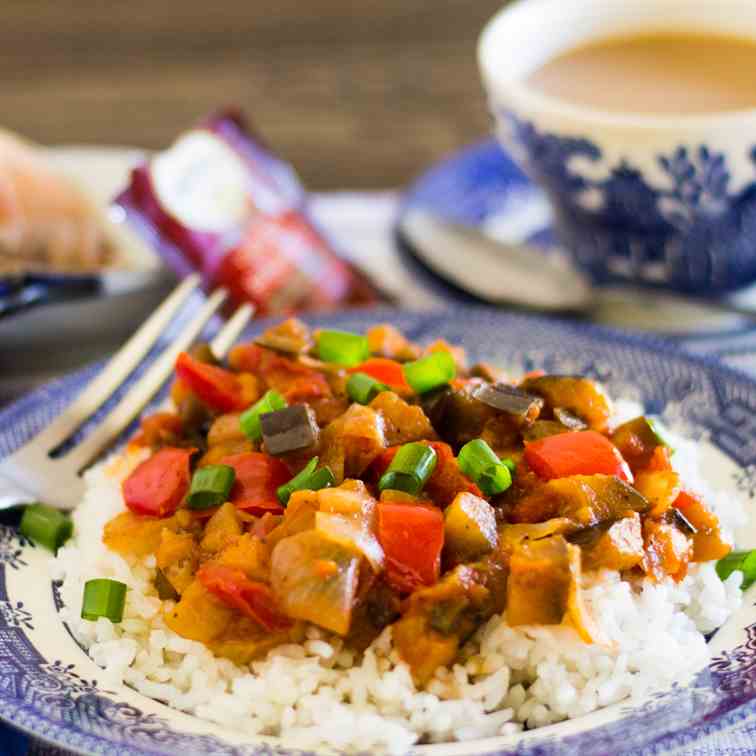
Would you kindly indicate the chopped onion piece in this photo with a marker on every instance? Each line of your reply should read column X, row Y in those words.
column 347, row 531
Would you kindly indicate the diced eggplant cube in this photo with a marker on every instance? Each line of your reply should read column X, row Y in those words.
column 542, row 429
column 487, row 372
column 614, row 545
column 469, row 528
column 434, row 404
column 507, row 398
column 288, row 430
column 539, row 581
column 569, row 419
column 292, row 337
column 682, row 522
column 581, row 397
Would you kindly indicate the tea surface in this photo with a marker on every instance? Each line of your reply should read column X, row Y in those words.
column 662, row 73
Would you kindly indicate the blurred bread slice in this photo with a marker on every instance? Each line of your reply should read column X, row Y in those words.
column 48, row 223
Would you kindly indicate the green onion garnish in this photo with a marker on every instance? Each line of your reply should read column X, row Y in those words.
column 103, row 598
column 742, row 561
column 478, row 461
column 211, row 486
column 660, row 431
column 363, row 388
column 342, row 347
column 495, row 480
column 410, row 469
column 322, row 478
column 309, row 478
column 250, row 419
column 430, row 372
column 46, row 526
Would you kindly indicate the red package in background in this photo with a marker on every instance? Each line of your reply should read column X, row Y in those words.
column 218, row 202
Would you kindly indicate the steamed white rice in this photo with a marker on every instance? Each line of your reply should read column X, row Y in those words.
column 320, row 693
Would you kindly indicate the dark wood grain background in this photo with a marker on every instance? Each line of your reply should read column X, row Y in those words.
column 356, row 93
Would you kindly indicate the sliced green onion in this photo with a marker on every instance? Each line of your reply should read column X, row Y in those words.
column 478, row 461
column 660, row 431
column 410, row 469
column 103, row 598
column 742, row 561
column 342, row 347
column 309, row 478
column 475, row 457
column 430, row 372
column 295, row 484
column 46, row 526
column 250, row 419
column 211, row 486
column 495, row 480
column 363, row 388
column 322, row 478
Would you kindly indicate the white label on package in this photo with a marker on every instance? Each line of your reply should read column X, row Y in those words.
column 202, row 182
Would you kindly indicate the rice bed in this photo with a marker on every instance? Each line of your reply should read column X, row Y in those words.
column 320, row 693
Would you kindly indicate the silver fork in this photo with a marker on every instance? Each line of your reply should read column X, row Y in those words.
column 31, row 474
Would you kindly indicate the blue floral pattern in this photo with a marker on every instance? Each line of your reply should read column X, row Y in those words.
column 49, row 697
column 12, row 545
column 72, row 683
column 694, row 234
column 745, row 481
column 15, row 615
column 735, row 671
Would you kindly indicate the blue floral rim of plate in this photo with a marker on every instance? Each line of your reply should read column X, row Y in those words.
column 50, row 699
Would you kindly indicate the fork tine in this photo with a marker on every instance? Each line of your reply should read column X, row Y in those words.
column 118, row 368
column 230, row 332
column 145, row 388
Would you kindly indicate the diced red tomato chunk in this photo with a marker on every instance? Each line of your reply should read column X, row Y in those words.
column 252, row 598
column 386, row 371
column 297, row 382
column 257, row 478
column 158, row 485
column 581, row 453
column 216, row 387
column 412, row 537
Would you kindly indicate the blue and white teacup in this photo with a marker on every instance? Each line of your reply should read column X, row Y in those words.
column 661, row 200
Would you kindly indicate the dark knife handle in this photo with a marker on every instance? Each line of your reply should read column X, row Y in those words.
column 21, row 293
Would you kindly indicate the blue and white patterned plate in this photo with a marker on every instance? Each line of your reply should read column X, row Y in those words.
column 481, row 186
column 50, row 688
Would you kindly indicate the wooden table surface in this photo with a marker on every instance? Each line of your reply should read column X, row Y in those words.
column 356, row 93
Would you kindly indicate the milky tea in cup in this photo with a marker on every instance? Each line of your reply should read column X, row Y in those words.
column 637, row 118
column 655, row 72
